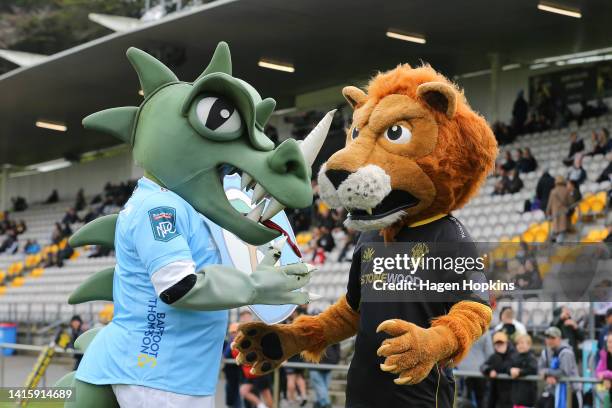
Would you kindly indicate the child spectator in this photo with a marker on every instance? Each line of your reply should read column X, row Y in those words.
column 524, row 393
column 500, row 362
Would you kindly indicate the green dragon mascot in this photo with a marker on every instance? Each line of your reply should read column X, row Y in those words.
column 170, row 289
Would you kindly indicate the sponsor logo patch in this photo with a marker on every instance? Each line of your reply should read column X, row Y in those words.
column 163, row 223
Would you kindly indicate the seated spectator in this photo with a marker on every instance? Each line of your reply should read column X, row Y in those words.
column 90, row 215
column 577, row 173
column 57, row 234
column 500, row 362
column 576, row 146
column 70, row 217
column 502, row 186
column 527, row 163
column 326, row 240
column 605, row 174
column 508, row 324
column 31, row 247
column 545, row 185
column 588, row 111
column 80, row 202
column 528, row 277
column 10, row 244
column 509, row 163
column 515, row 184
column 524, row 362
column 19, row 204
column 557, row 209
column 53, row 198
column 558, row 360
column 21, row 227
column 570, row 331
column 599, row 144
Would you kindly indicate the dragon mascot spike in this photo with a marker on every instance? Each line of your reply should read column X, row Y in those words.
column 415, row 152
column 170, row 289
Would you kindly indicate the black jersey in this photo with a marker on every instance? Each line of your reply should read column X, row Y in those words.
column 368, row 386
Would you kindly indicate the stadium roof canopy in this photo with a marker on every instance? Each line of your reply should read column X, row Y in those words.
column 328, row 42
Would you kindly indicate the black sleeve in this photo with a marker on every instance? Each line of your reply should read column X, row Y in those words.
column 531, row 368
column 179, row 289
column 353, row 289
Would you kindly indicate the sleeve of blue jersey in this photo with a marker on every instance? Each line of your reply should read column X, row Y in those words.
column 160, row 228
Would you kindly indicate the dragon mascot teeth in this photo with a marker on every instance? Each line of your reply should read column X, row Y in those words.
column 415, row 152
column 170, row 291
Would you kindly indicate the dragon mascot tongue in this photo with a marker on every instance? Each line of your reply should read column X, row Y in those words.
column 415, row 152
column 170, row 291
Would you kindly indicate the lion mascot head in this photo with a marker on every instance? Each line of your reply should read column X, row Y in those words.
column 415, row 150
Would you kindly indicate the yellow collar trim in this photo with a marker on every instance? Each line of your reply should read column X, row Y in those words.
column 427, row 220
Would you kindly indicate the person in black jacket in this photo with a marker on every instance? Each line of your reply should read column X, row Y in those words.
column 524, row 393
column 543, row 189
column 500, row 362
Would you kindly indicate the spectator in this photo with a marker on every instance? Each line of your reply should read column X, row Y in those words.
column 509, row 163
column 70, row 217
column 90, row 215
column 524, row 393
column 527, row 163
column 10, row 244
column 19, row 204
column 76, row 329
column 576, row 146
column 53, row 198
column 605, row 174
column 599, row 144
column 545, row 185
column 562, row 319
column 80, row 202
column 558, row 205
column 516, row 184
column 601, row 342
column 231, row 371
column 476, row 388
column 500, row 362
column 556, row 361
column 31, row 247
column 326, row 240
column 508, row 324
column 577, row 173
column 20, row 227
column 528, row 278
column 519, row 112
column 295, row 376
column 320, row 379
column 588, row 111
column 604, row 366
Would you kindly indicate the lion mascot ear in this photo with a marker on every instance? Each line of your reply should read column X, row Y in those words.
column 439, row 96
column 354, row 96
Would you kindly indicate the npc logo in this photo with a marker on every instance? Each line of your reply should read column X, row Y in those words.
column 163, row 223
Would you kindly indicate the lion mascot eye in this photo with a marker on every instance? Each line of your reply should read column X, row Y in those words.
column 355, row 133
column 218, row 115
column 398, row 134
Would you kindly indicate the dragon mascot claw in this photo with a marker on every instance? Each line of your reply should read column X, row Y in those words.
column 170, row 289
column 415, row 152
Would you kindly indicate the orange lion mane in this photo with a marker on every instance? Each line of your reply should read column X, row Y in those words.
column 466, row 148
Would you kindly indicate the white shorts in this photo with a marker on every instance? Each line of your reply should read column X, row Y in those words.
column 137, row 396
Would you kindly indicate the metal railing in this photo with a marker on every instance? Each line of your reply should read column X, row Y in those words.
column 276, row 375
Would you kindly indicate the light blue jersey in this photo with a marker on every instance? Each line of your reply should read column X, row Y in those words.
column 148, row 342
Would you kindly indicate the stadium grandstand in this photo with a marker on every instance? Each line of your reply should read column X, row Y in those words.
column 56, row 176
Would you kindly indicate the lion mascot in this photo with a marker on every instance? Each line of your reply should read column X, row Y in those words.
column 415, row 152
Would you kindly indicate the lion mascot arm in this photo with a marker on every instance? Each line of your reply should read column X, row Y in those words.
column 266, row 347
column 412, row 351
